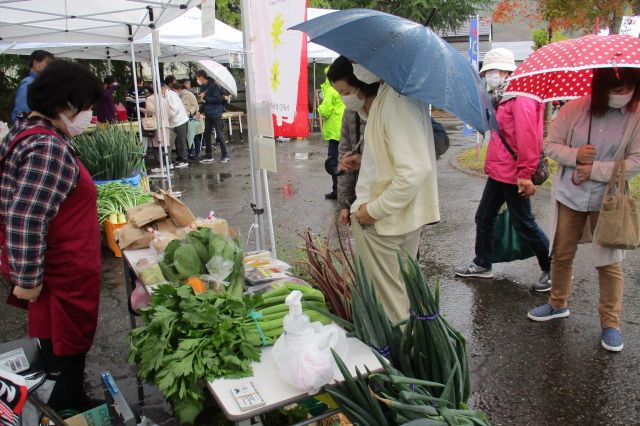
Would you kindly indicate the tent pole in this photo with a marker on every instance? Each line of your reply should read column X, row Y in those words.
column 267, row 203
column 109, row 66
column 135, row 88
column 157, row 88
column 256, row 183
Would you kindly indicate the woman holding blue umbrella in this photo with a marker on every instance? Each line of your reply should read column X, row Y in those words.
column 396, row 192
column 512, row 158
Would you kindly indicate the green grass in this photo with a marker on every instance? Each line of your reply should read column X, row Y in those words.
column 470, row 160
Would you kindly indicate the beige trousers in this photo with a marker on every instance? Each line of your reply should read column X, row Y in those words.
column 610, row 277
column 379, row 255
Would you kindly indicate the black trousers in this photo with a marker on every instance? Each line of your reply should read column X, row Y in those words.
column 181, row 140
column 68, row 392
column 214, row 123
column 333, row 152
column 494, row 196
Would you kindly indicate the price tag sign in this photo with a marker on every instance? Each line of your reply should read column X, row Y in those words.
column 247, row 396
column 14, row 361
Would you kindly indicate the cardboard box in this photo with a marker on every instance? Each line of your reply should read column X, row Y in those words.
column 144, row 214
column 132, row 238
column 176, row 209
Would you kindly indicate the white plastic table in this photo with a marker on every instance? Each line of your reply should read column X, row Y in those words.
column 275, row 391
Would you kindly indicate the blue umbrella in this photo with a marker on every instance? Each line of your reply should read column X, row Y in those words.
column 409, row 57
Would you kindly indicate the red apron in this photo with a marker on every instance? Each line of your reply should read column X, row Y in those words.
column 67, row 309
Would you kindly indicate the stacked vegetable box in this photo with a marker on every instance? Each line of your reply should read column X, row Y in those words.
column 114, row 157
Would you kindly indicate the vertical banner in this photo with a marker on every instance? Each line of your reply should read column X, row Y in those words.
column 474, row 43
column 281, row 64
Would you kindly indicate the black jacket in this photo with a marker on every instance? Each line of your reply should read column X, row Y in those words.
column 214, row 101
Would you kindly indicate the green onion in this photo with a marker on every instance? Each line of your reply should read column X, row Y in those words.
column 110, row 152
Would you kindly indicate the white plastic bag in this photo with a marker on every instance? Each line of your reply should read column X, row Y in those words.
column 306, row 362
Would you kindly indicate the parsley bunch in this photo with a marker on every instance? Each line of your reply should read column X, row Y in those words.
column 187, row 338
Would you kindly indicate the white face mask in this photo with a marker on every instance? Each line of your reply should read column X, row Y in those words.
column 364, row 75
column 619, row 101
column 493, row 79
column 78, row 124
column 352, row 102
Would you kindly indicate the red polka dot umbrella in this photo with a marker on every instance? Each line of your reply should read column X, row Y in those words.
column 564, row 70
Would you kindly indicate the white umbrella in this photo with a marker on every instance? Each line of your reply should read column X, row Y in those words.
column 222, row 75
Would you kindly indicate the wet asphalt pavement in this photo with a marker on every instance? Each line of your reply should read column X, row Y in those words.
column 523, row 373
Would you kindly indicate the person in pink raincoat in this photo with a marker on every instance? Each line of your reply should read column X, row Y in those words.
column 521, row 121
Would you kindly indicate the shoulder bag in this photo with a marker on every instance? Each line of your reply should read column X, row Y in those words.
column 619, row 221
column 149, row 124
column 541, row 174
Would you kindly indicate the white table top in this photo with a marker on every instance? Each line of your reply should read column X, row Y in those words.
column 134, row 256
column 276, row 392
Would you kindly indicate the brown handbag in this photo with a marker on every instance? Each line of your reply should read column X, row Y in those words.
column 619, row 221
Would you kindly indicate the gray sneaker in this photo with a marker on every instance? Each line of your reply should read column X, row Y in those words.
column 543, row 284
column 473, row 270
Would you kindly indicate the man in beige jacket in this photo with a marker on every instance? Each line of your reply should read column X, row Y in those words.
column 397, row 190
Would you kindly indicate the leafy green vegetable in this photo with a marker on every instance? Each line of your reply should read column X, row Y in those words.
column 390, row 398
column 110, row 152
column 217, row 244
column 186, row 338
column 169, row 251
column 200, row 248
column 116, row 198
column 169, row 272
column 187, row 262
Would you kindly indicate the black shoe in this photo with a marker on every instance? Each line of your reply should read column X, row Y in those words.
column 330, row 196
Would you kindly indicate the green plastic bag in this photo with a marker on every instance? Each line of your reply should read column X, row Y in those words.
column 192, row 131
column 508, row 245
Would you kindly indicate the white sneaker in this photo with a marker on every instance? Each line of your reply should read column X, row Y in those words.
column 180, row 165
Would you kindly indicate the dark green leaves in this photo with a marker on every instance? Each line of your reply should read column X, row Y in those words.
column 187, row 338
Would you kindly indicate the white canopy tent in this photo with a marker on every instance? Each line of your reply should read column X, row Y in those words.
column 82, row 21
column 315, row 52
column 180, row 41
column 104, row 22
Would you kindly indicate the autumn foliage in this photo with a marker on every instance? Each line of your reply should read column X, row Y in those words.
column 565, row 14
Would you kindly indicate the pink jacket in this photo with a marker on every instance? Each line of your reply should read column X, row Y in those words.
column 521, row 121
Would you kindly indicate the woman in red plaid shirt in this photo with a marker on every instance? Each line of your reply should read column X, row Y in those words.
column 49, row 233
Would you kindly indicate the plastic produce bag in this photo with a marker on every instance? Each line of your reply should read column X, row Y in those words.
column 139, row 297
column 219, row 268
column 303, row 353
column 307, row 363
